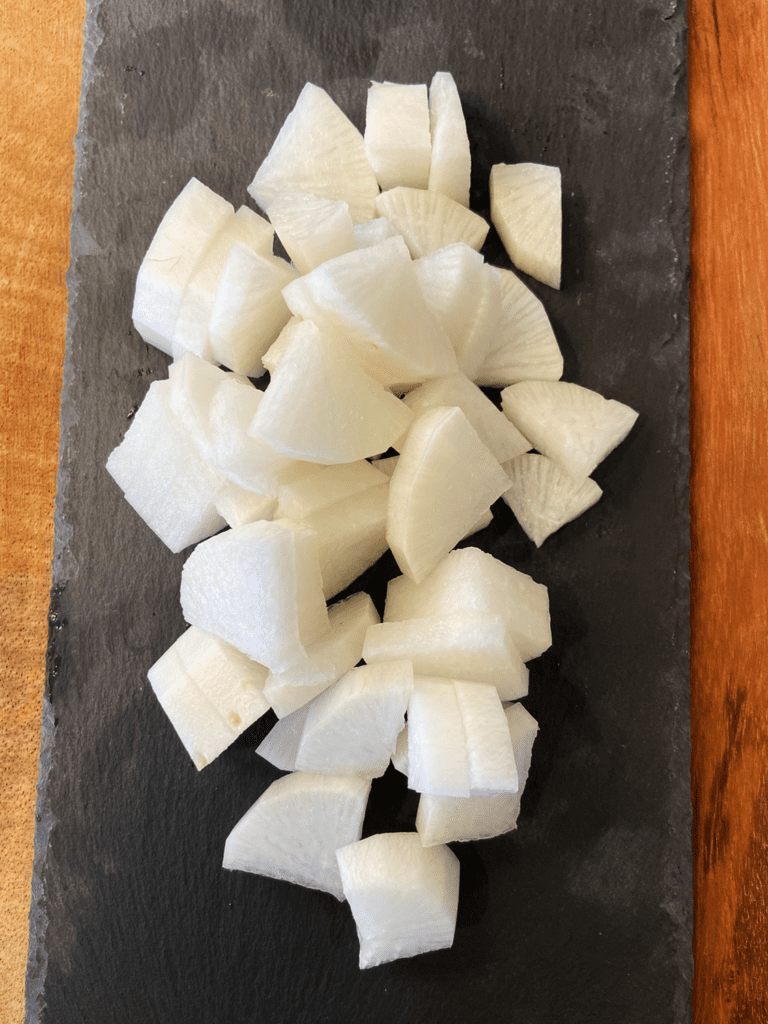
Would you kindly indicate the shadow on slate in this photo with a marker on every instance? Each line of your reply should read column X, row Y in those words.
column 583, row 914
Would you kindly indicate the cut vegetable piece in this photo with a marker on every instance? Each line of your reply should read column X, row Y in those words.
column 526, row 210
column 444, row 819
column 163, row 476
column 438, row 761
column 244, row 228
column 491, row 424
column 492, row 768
column 210, row 691
column 472, row 580
column 374, row 231
column 179, row 245
column 444, row 481
column 293, row 830
column 543, row 497
column 404, row 897
column 321, row 407
column 464, row 293
column 352, row 728
column 281, row 744
column 465, row 645
column 430, row 220
column 449, row 170
column 311, row 229
column 272, row 356
column 249, row 310
column 258, row 587
column 397, row 136
column 238, row 506
column 400, row 753
column 371, row 302
column 574, row 426
column 523, row 346
column 310, row 494
column 335, row 653
column 318, row 150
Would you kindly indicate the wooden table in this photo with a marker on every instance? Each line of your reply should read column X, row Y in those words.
column 41, row 47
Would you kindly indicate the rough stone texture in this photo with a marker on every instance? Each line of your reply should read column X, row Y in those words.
column 583, row 914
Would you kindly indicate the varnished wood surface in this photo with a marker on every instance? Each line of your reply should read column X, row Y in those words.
column 40, row 55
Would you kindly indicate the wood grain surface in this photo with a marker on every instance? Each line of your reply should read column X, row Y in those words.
column 41, row 49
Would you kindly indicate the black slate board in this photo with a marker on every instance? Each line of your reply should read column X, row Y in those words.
column 584, row 913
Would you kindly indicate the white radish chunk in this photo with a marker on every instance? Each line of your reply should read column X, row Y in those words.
column 312, row 230
column 429, row 220
column 438, row 761
column 293, row 830
column 374, row 231
column 526, row 210
column 492, row 768
column 318, row 150
column 543, row 497
column 404, row 897
column 397, row 136
column 310, row 494
column 238, row 506
column 444, row 481
column 449, row 170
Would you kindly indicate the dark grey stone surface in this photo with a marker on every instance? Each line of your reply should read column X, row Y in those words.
column 583, row 915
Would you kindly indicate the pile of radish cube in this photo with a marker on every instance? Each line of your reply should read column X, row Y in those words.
column 373, row 433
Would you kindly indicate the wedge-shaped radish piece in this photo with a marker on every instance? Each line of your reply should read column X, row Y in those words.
column 258, row 587
column 271, row 357
column 352, row 728
column 438, row 760
column 397, row 136
column 491, row 424
column 472, row 580
column 370, row 300
column 430, row 220
column 465, row 645
column 163, row 476
column 210, row 691
column 281, row 744
column 543, row 497
column 444, row 481
column 574, row 426
column 526, row 210
column 318, row 150
column 321, row 407
column 374, row 231
column 179, row 245
column 445, row 819
column 311, row 229
column 335, row 653
column 244, row 228
column 238, row 506
column 492, row 768
column 310, row 494
column 249, row 310
column 404, row 897
column 449, row 170
column 295, row 827
column 352, row 535
column 400, row 753
column 523, row 346
column 464, row 293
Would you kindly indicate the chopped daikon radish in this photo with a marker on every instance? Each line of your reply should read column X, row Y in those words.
column 444, row 481
column 374, row 231
column 163, row 476
column 239, row 506
column 430, row 220
column 177, row 249
column 210, row 691
column 492, row 768
column 543, row 497
column 469, row 579
column 491, row 424
column 258, row 587
column 310, row 494
column 526, row 210
column 312, row 230
column 449, row 171
column 321, row 407
column 523, row 346
column 397, row 136
column 574, row 426
column 293, row 830
column 403, row 896
column 438, row 760
column 318, row 150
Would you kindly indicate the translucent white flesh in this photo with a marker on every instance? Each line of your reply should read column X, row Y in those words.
column 444, row 481
column 526, row 210
column 403, row 896
column 543, row 497
column 311, row 229
column 397, row 137
column 238, row 506
column 449, row 170
column 574, row 426
column 177, row 249
column 472, row 580
column 310, row 494
column 374, row 231
column 258, row 587
column 492, row 768
column 438, row 760
column 318, row 150
column 293, row 830
column 430, row 220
